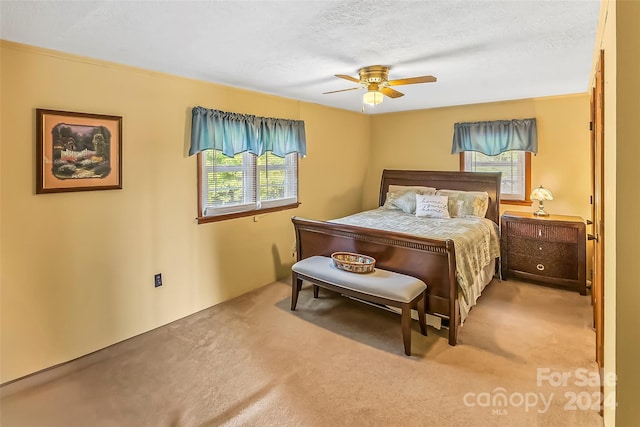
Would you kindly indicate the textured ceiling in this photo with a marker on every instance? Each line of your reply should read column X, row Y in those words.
column 480, row 50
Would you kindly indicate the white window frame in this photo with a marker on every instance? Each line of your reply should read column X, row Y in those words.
column 290, row 168
column 251, row 203
column 471, row 162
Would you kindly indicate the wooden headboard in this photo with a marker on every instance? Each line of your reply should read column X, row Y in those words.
column 465, row 181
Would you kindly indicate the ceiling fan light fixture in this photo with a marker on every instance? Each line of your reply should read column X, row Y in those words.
column 372, row 97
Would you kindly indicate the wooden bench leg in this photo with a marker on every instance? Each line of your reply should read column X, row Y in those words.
column 406, row 328
column 296, row 285
column 421, row 314
column 316, row 290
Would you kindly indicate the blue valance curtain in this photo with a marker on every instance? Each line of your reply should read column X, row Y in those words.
column 234, row 133
column 493, row 138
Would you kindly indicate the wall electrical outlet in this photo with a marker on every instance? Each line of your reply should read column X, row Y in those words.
column 157, row 280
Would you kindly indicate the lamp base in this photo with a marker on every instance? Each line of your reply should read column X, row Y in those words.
column 540, row 211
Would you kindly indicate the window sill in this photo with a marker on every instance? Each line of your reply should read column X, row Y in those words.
column 224, row 217
column 516, row 202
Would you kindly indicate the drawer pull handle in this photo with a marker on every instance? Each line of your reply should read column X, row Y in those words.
column 540, row 267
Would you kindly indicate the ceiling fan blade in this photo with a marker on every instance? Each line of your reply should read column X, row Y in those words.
column 342, row 90
column 391, row 93
column 346, row 77
column 412, row 80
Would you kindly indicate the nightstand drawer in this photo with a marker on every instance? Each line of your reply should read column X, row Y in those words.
column 543, row 267
column 542, row 249
column 541, row 231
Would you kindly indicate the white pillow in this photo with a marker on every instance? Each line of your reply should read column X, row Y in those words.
column 432, row 206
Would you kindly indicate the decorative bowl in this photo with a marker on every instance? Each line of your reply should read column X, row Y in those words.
column 354, row 263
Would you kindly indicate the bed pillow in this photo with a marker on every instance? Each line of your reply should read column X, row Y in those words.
column 415, row 188
column 466, row 203
column 396, row 191
column 389, row 202
column 406, row 202
column 432, row 206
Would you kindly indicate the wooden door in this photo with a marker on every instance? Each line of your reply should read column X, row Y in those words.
column 597, row 209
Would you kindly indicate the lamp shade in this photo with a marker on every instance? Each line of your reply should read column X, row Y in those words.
column 372, row 97
column 541, row 193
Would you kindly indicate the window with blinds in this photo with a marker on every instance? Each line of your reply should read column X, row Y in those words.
column 512, row 164
column 247, row 182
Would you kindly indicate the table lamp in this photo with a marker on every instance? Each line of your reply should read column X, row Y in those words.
column 541, row 194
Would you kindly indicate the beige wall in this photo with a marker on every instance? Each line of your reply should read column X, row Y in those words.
column 77, row 268
column 619, row 37
column 627, row 227
column 422, row 140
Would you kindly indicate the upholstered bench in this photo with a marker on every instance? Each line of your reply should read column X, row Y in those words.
column 380, row 286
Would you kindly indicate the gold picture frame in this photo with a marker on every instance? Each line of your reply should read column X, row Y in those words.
column 77, row 151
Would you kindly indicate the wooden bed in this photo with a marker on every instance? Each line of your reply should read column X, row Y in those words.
column 431, row 260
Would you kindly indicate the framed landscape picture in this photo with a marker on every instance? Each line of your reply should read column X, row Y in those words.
column 77, row 151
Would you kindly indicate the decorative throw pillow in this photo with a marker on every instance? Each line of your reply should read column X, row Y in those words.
column 466, row 203
column 406, row 202
column 396, row 191
column 432, row 206
column 388, row 202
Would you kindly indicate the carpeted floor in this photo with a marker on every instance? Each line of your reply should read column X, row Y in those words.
column 333, row 362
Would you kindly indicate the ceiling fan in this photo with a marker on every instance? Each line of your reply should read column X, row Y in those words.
column 376, row 80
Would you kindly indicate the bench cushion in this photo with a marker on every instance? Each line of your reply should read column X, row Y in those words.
column 380, row 283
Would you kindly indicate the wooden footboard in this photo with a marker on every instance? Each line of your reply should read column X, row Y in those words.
column 432, row 261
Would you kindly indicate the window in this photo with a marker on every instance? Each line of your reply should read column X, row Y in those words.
column 245, row 184
column 516, row 172
column 499, row 146
column 246, row 164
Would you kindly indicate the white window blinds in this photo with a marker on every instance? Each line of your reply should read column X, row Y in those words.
column 247, row 182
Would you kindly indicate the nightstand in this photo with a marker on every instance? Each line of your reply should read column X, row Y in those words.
column 549, row 249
